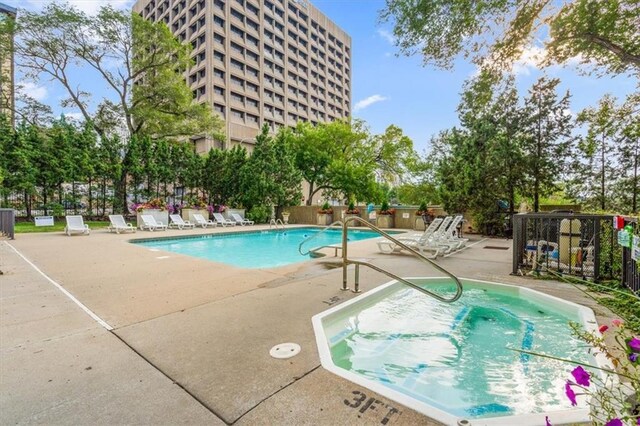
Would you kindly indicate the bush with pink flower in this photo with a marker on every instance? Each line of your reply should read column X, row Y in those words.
column 613, row 394
column 155, row 204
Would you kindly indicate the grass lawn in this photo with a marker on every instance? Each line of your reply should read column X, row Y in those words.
column 29, row 227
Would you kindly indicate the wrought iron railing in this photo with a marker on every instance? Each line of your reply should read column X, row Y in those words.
column 575, row 244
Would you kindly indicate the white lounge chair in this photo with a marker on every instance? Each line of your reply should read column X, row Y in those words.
column 149, row 222
column 201, row 221
column 422, row 242
column 222, row 221
column 76, row 225
column 178, row 222
column 118, row 224
column 240, row 220
column 450, row 238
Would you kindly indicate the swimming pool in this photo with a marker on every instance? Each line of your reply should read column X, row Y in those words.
column 451, row 361
column 253, row 250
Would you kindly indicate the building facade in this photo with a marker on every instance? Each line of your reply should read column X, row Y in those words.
column 7, row 86
column 260, row 61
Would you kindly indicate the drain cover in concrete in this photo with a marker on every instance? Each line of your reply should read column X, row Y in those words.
column 285, row 350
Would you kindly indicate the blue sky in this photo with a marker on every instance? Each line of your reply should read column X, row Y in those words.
column 388, row 89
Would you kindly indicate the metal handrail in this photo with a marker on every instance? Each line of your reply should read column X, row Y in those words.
column 346, row 261
column 275, row 222
column 306, row 240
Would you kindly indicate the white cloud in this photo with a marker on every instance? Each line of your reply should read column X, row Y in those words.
column 74, row 115
column 360, row 105
column 39, row 93
column 387, row 36
column 530, row 58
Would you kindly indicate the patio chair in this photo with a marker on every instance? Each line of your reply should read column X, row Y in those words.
column 178, row 222
column 76, row 225
column 149, row 222
column 421, row 242
column 201, row 221
column 450, row 235
column 221, row 220
column 118, row 224
column 240, row 220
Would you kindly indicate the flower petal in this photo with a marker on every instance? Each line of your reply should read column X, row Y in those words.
column 581, row 376
column 570, row 393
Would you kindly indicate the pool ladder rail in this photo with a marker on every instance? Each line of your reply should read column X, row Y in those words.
column 315, row 252
column 346, row 261
column 277, row 223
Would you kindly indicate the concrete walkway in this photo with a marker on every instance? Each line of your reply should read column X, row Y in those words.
column 191, row 338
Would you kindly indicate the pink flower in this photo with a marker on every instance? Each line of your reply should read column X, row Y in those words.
column 603, row 328
column 614, row 422
column 634, row 344
column 581, row 376
column 617, row 322
column 570, row 393
column 547, row 422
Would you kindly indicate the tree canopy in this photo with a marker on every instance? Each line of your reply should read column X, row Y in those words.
column 140, row 63
column 494, row 33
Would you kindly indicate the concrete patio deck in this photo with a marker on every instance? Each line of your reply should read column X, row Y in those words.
column 190, row 338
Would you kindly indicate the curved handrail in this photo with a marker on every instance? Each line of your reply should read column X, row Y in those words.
column 275, row 222
column 346, row 262
column 306, row 240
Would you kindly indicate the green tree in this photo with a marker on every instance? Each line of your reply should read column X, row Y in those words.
column 547, row 125
column 495, row 32
column 141, row 63
column 20, row 169
column 235, row 160
column 270, row 177
column 628, row 151
column 484, row 161
column 597, row 149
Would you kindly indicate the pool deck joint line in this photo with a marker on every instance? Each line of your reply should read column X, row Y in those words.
column 92, row 314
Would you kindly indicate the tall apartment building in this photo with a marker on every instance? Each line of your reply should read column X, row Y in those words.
column 260, row 61
column 7, row 87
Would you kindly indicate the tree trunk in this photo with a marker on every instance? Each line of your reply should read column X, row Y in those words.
column 44, row 199
column 73, row 197
column 536, row 172
column 104, row 196
column 602, row 181
column 120, row 194
column 634, row 202
column 27, row 204
column 90, row 199
column 311, row 193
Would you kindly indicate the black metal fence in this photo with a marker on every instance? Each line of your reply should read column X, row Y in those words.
column 630, row 271
column 7, row 222
column 575, row 244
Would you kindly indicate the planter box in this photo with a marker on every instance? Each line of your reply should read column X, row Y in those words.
column 158, row 215
column 324, row 219
column 351, row 224
column 385, row 221
column 187, row 214
column 419, row 224
column 285, row 218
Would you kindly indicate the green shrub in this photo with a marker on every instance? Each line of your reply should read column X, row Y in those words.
column 385, row 206
column 259, row 214
column 423, row 206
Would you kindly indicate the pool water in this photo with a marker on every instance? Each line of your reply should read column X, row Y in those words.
column 456, row 357
column 254, row 250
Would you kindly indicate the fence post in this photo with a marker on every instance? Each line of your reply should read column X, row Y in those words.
column 7, row 222
column 596, row 249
